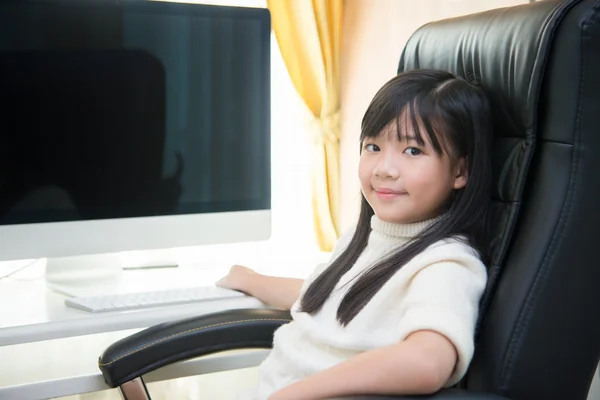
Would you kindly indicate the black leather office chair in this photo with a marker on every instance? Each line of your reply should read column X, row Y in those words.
column 539, row 336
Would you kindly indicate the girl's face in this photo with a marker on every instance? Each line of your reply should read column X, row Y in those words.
column 405, row 182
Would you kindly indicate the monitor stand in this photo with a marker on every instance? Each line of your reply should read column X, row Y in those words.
column 94, row 275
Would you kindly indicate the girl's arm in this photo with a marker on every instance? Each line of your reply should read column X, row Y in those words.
column 277, row 292
column 421, row 364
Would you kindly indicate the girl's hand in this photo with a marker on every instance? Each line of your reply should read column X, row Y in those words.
column 237, row 278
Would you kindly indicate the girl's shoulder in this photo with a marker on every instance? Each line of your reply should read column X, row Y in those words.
column 447, row 259
column 455, row 250
column 343, row 241
column 456, row 245
column 341, row 244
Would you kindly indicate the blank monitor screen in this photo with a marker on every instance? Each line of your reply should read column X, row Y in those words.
column 132, row 109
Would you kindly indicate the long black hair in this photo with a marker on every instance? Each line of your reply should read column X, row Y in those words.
column 457, row 119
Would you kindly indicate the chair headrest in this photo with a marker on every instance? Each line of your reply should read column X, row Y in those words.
column 506, row 49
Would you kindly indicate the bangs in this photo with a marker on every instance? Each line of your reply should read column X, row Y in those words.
column 408, row 115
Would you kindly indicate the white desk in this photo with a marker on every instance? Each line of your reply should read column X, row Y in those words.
column 67, row 342
column 30, row 312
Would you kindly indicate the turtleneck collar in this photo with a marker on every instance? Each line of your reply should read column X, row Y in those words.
column 400, row 230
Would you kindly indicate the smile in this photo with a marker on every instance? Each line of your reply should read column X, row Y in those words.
column 388, row 194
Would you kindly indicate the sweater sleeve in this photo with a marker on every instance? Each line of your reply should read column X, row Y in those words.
column 444, row 297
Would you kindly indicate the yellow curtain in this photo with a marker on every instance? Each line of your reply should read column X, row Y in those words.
column 308, row 33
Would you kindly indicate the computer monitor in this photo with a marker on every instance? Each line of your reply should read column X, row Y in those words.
column 131, row 125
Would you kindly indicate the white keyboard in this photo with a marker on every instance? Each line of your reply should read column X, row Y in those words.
column 132, row 301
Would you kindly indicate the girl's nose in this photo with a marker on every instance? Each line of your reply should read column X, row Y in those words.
column 386, row 168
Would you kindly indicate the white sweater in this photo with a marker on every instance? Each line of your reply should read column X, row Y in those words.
column 437, row 290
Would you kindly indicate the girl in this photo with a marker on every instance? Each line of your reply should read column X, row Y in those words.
column 394, row 312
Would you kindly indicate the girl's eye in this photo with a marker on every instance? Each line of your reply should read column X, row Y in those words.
column 371, row 147
column 413, row 151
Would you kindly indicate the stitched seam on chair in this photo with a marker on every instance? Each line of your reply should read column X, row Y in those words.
column 185, row 332
column 540, row 140
column 508, row 358
column 522, row 178
column 525, row 314
column 556, row 142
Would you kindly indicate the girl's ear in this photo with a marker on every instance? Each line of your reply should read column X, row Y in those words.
column 461, row 173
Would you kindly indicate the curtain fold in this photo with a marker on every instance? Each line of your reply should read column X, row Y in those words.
column 308, row 33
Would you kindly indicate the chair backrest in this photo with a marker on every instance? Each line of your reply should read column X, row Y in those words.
column 539, row 336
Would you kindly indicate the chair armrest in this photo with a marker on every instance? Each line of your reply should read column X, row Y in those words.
column 167, row 343
column 447, row 394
